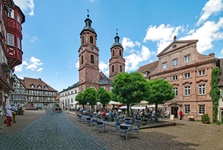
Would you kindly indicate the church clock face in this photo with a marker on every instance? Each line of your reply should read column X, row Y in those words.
column 92, row 48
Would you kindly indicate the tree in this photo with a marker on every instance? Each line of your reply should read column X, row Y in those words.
column 103, row 96
column 130, row 88
column 160, row 91
column 90, row 95
column 215, row 92
column 81, row 100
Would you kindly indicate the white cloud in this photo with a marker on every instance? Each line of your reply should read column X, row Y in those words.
column 77, row 64
column 27, row 6
column 211, row 7
column 39, row 70
column 209, row 32
column 221, row 54
column 162, row 34
column 127, row 43
column 34, row 39
column 34, row 64
column 133, row 60
column 19, row 68
column 104, row 68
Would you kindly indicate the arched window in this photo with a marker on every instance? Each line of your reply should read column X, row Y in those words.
column 82, row 59
column 91, row 39
column 113, row 53
column 120, row 68
column 120, row 53
column 82, row 40
column 113, row 68
column 32, row 86
column 92, row 59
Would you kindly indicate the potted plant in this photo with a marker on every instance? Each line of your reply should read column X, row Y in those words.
column 20, row 111
column 205, row 119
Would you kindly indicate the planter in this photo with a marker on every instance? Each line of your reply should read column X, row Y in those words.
column 20, row 112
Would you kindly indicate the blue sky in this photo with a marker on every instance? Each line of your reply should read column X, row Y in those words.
column 51, row 32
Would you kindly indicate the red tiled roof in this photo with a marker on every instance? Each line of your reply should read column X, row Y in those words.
column 36, row 82
column 149, row 67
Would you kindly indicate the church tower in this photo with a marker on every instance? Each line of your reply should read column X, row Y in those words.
column 88, row 58
column 116, row 62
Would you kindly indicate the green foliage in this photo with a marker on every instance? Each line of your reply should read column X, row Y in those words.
column 90, row 95
column 205, row 118
column 81, row 100
column 129, row 88
column 103, row 96
column 215, row 92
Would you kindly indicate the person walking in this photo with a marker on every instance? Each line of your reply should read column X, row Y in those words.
column 13, row 116
column 181, row 115
column 8, row 116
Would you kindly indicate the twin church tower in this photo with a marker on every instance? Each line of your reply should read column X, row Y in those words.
column 89, row 73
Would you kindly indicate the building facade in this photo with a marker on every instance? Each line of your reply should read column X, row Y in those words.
column 220, row 85
column 11, row 20
column 19, row 96
column 190, row 74
column 40, row 94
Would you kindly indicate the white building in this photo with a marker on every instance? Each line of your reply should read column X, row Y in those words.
column 68, row 96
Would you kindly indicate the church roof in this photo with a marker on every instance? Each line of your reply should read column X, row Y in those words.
column 149, row 67
column 104, row 79
column 88, row 26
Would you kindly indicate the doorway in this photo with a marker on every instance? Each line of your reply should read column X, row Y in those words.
column 174, row 111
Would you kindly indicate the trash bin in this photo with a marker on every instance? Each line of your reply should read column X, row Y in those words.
column 172, row 117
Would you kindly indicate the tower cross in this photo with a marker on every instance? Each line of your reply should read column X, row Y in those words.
column 88, row 13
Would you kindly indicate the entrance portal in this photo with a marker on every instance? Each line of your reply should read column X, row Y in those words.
column 174, row 111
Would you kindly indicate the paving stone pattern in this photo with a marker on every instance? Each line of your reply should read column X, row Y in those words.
column 53, row 131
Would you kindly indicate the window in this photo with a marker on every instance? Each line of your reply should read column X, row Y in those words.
column 174, row 62
column 18, row 19
column 186, row 109
column 46, row 87
column 82, row 59
column 18, row 43
column 113, row 53
column 91, row 39
column 120, row 68
column 175, row 90
column 10, row 13
column 174, row 46
column 164, row 65
column 32, row 86
column 82, row 39
column 187, row 90
column 92, row 59
column 187, row 58
column 10, row 39
column 187, row 75
column 113, row 68
column 202, row 89
column 201, row 73
column 175, row 77
column 120, row 53
column 201, row 109
column 39, row 87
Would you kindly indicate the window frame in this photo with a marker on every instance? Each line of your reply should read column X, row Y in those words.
column 187, row 109
column 186, row 75
column 10, row 39
column 202, row 74
column 201, row 110
column 201, row 89
column 175, row 90
column 187, row 58
column 175, row 77
column 175, row 62
column 164, row 65
column 113, row 68
column 92, row 59
column 186, row 90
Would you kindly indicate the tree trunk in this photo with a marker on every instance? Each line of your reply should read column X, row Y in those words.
column 127, row 109
column 156, row 106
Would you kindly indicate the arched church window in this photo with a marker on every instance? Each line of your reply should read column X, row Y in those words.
column 113, row 53
column 120, row 53
column 113, row 68
column 91, row 39
column 92, row 59
column 82, row 59
column 120, row 68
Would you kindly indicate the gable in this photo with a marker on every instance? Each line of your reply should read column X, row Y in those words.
column 175, row 45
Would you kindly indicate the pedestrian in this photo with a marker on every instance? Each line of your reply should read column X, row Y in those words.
column 9, row 117
column 13, row 116
column 181, row 115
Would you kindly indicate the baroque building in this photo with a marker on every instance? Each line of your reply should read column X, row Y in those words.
column 190, row 74
column 11, row 20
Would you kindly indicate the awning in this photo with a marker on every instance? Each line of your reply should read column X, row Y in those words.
column 133, row 107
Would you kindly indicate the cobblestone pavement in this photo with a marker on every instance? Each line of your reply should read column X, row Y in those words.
column 51, row 131
column 186, row 135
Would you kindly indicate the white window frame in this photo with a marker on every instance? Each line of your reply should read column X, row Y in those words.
column 164, row 65
column 18, row 43
column 10, row 39
column 18, row 18
column 10, row 13
column 187, row 90
column 175, row 77
column 201, row 89
column 186, row 109
column 201, row 73
column 175, row 90
column 186, row 58
column 187, row 75
column 175, row 62
column 201, row 109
